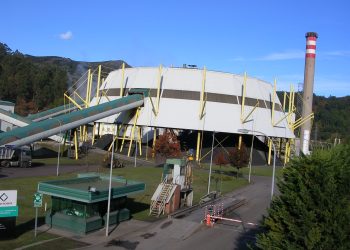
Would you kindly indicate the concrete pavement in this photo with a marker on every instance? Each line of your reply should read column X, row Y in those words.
column 188, row 232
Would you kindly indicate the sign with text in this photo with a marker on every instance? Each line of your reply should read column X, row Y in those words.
column 8, row 198
column 38, row 200
column 8, row 211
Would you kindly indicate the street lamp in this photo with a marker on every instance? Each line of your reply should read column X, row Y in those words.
column 59, row 146
column 245, row 131
column 211, row 161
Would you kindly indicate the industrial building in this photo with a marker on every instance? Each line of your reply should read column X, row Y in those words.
column 196, row 100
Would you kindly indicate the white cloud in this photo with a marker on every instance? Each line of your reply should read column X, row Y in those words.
column 238, row 59
column 287, row 55
column 336, row 53
column 276, row 56
column 66, row 35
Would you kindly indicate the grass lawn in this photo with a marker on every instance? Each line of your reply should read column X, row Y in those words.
column 24, row 234
column 256, row 170
column 138, row 204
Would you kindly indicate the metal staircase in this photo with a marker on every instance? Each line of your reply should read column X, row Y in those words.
column 158, row 206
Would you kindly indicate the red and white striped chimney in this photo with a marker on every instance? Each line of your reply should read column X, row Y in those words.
column 308, row 89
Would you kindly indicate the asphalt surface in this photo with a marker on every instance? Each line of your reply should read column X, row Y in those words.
column 182, row 233
column 189, row 232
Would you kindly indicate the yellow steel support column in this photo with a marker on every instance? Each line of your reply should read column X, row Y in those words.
column 87, row 89
column 98, row 82
column 124, row 134
column 74, row 102
column 284, row 101
column 293, row 96
column 273, row 104
column 239, row 142
column 270, row 151
column 286, row 154
column 122, row 81
column 76, row 145
column 140, row 142
column 198, row 145
column 131, row 139
column 243, row 96
column 290, row 105
column 202, row 101
column 133, row 130
column 90, row 88
column 158, row 88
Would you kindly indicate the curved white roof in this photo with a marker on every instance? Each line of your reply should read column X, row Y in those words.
column 179, row 102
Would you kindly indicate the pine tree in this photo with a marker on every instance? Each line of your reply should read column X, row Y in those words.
column 313, row 209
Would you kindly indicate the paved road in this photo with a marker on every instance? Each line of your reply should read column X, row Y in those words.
column 188, row 232
column 184, row 233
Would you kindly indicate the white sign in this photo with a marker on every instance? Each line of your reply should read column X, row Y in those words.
column 306, row 142
column 8, row 198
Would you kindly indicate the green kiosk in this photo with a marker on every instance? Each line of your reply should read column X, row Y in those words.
column 79, row 204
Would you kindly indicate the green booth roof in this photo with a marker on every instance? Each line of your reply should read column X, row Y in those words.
column 90, row 188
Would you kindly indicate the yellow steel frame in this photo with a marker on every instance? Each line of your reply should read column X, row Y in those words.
column 284, row 101
column 284, row 117
column 273, row 104
column 98, row 82
column 250, row 113
column 139, row 141
column 214, row 148
column 301, row 121
column 270, row 150
column 198, row 144
column 243, row 95
column 133, row 130
column 202, row 99
column 87, row 100
column 153, row 107
column 123, row 140
column 290, row 104
column 244, row 119
column 239, row 142
column 158, row 88
column 122, row 81
column 74, row 102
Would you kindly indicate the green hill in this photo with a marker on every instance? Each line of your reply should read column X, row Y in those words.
column 38, row 83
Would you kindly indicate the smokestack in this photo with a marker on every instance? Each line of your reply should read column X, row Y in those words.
column 308, row 89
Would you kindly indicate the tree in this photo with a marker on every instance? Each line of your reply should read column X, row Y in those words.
column 167, row 145
column 313, row 208
column 220, row 159
column 238, row 157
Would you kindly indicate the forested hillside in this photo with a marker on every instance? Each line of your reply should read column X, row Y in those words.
column 332, row 118
column 31, row 86
column 38, row 83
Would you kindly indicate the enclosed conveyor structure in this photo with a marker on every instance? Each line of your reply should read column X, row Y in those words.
column 21, row 121
column 14, row 119
column 64, row 109
column 43, row 129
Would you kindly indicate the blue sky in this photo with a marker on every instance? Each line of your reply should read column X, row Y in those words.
column 264, row 38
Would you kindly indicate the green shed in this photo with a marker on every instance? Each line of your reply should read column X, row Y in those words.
column 79, row 204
